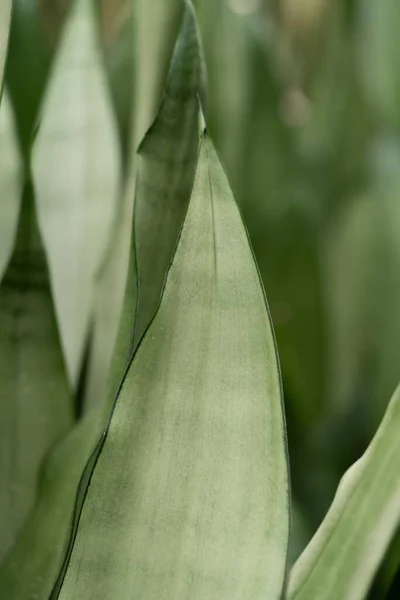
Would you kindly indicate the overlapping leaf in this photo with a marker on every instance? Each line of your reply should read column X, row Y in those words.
column 189, row 493
column 76, row 174
column 160, row 181
column 35, row 402
column 344, row 554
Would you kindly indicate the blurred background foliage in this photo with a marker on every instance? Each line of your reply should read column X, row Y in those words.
column 304, row 107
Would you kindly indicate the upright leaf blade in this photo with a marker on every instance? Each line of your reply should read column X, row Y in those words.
column 35, row 401
column 344, row 554
column 10, row 181
column 165, row 169
column 160, row 180
column 76, row 175
column 189, row 494
column 5, row 20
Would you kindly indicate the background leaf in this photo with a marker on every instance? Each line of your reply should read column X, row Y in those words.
column 165, row 170
column 160, row 181
column 345, row 553
column 27, row 69
column 76, row 167
column 30, row 568
column 156, row 26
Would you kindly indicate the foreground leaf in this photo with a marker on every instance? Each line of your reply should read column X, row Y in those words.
column 342, row 558
column 76, row 175
column 189, row 493
column 35, row 402
column 10, row 181
column 5, row 21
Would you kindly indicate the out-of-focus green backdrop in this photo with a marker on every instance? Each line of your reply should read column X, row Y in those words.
column 304, row 109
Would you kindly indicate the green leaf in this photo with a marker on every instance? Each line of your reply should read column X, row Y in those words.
column 342, row 558
column 11, row 173
column 76, row 169
column 5, row 21
column 156, row 26
column 114, row 312
column 160, row 180
column 361, row 257
column 189, row 495
column 30, row 569
column 35, row 401
column 166, row 166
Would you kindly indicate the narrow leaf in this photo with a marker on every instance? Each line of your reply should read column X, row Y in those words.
column 35, row 402
column 76, row 175
column 342, row 558
column 189, row 494
column 10, row 181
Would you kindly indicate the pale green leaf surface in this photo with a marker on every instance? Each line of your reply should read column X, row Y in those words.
column 343, row 556
column 189, row 496
column 11, row 173
column 35, row 400
column 76, row 168
column 166, row 165
column 160, row 179
column 5, row 20
column 31, row 567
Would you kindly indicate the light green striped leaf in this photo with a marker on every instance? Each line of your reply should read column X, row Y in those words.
column 10, row 181
column 35, row 401
column 189, row 496
column 160, row 180
column 76, row 168
column 342, row 558
column 5, row 21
